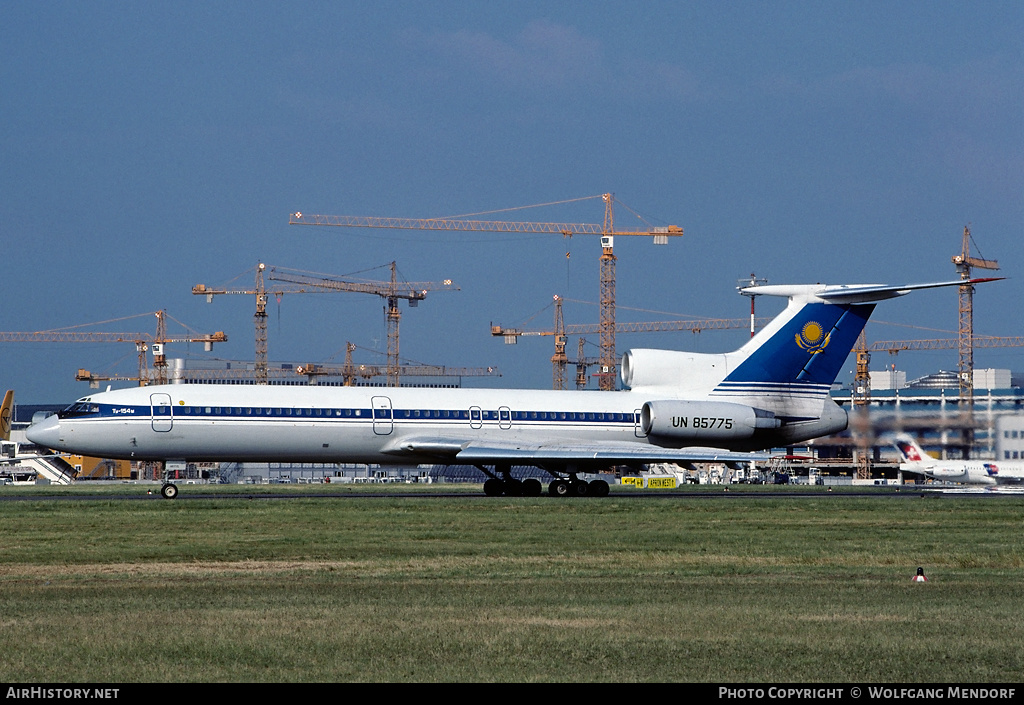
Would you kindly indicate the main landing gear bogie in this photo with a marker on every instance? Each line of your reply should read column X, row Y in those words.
column 578, row 488
column 501, row 483
column 529, row 487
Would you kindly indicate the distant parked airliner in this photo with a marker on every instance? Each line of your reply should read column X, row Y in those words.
column 968, row 472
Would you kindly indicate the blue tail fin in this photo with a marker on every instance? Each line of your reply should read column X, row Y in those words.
column 810, row 347
column 799, row 353
column 809, row 342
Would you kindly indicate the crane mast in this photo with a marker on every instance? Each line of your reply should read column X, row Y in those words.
column 559, row 359
column 860, row 398
column 260, row 324
column 965, row 263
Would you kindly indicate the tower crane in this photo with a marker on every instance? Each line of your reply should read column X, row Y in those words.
column 143, row 343
column 259, row 318
column 607, row 261
column 562, row 331
column 558, row 360
column 582, row 362
column 391, row 291
column 965, row 262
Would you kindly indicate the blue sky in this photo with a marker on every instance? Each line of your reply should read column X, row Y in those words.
column 149, row 147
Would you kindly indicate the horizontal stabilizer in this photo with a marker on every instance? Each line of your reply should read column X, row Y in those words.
column 852, row 293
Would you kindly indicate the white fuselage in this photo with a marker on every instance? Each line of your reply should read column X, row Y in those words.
column 372, row 425
column 680, row 407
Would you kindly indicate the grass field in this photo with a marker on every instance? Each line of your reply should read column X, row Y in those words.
column 719, row 588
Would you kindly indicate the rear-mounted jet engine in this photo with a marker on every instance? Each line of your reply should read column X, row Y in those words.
column 703, row 421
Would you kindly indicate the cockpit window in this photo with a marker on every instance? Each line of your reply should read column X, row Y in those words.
column 79, row 408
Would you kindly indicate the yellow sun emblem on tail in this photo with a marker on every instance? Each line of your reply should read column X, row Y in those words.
column 813, row 338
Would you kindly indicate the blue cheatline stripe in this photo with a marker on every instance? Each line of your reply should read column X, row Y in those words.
column 362, row 414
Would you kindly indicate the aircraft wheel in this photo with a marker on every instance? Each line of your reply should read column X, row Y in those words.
column 531, row 487
column 513, row 488
column 598, row 488
column 492, row 487
column 558, row 488
column 579, row 488
column 169, row 491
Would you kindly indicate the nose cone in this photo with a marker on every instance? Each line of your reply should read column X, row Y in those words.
column 46, row 433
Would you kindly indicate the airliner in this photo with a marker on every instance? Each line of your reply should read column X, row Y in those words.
column 6, row 415
column 678, row 407
column 968, row 472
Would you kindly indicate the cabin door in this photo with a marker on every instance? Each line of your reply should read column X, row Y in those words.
column 504, row 417
column 383, row 416
column 160, row 408
column 638, row 430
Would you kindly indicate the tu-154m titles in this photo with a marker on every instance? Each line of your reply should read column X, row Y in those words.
column 678, row 407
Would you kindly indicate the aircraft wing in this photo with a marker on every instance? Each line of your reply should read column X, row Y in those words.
column 490, row 452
